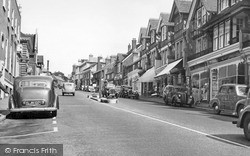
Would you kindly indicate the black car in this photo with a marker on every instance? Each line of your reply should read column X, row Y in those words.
column 128, row 92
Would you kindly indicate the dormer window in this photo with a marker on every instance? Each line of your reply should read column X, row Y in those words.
column 222, row 4
column 163, row 33
column 199, row 18
column 204, row 15
column 234, row 1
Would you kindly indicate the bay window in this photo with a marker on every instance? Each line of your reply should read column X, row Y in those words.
column 227, row 32
column 215, row 39
column 163, row 33
column 221, row 35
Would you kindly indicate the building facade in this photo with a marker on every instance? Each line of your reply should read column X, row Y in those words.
column 222, row 47
column 10, row 26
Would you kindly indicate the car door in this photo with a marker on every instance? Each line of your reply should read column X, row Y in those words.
column 232, row 98
column 223, row 97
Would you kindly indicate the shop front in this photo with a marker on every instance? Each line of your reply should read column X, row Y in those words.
column 200, row 86
column 233, row 72
column 148, row 82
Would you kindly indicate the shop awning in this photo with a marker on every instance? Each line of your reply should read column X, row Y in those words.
column 148, row 76
column 168, row 68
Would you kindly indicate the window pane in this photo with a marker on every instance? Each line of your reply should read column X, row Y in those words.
column 222, row 72
column 232, row 70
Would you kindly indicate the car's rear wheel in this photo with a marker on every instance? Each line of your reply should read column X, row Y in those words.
column 54, row 113
column 166, row 100
column 62, row 94
column 216, row 108
column 246, row 127
column 239, row 109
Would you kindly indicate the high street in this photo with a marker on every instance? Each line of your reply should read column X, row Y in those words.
column 129, row 127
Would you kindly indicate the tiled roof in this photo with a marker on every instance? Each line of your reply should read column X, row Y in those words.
column 152, row 25
column 183, row 5
column 121, row 56
column 210, row 5
column 165, row 18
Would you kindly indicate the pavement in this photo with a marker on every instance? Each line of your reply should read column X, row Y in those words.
column 4, row 108
column 201, row 105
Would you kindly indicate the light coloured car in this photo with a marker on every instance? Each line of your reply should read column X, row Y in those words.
column 91, row 89
column 68, row 88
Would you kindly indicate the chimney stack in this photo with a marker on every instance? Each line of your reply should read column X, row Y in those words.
column 133, row 43
column 47, row 65
column 129, row 47
column 99, row 66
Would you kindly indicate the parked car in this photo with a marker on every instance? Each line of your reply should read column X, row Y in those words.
column 128, row 92
column 118, row 90
column 230, row 99
column 33, row 94
column 68, row 88
column 244, row 118
column 177, row 95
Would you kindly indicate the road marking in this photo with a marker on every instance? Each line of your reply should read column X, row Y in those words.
column 25, row 135
column 55, row 129
column 54, row 122
column 179, row 126
column 54, row 118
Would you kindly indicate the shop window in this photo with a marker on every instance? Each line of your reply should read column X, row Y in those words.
column 241, row 69
column 223, row 72
column 232, row 70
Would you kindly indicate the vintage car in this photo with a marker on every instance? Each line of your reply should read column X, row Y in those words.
column 244, row 119
column 128, row 92
column 68, row 88
column 33, row 94
column 177, row 95
column 230, row 99
column 110, row 91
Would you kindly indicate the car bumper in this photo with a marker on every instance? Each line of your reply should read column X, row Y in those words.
column 46, row 109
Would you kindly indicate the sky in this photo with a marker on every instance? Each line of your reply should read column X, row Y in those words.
column 69, row 30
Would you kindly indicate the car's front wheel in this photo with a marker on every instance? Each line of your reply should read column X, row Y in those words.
column 239, row 109
column 246, row 127
column 174, row 102
column 216, row 108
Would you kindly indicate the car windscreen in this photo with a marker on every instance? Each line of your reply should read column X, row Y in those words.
column 33, row 83
column 242, row 90
column 68, row 85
